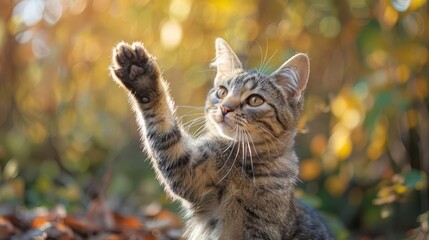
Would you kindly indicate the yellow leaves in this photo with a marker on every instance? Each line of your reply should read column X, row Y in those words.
column 388, row 195
column 351, row 118
column 348, row 111
column 339, row 105
column 340, row 142
column 398, row 187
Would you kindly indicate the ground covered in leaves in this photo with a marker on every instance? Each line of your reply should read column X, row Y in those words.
column 98, row 222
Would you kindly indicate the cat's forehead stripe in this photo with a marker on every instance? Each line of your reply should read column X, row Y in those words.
column 244, row 81
column 247, row 79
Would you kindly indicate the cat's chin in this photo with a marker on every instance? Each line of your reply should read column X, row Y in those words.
column 226, row 131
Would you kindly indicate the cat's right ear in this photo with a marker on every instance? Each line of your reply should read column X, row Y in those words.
column 226, row 60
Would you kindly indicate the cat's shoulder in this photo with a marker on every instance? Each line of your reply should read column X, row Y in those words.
column 311, row 225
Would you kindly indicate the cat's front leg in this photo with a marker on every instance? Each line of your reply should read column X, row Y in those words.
column 170, row 148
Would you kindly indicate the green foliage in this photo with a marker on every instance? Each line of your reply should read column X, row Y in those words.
column 66, row 130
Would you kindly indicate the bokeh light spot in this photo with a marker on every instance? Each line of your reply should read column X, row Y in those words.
column 335, row 185
column 330, row 26
column 180, row 9
column 53, row 11
column 171, row 34
column 351, row 118
column 338, row 106
column 390, row 16
column 318, row 144
column 340, row 142
column 77, row 6
column 31, row 11
column 402, row 73
column 310, row 169
column 40, row 48
column 11, row 169
column 401, row 5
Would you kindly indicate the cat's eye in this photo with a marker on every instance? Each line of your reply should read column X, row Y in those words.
column 222, row 92
column 255, row 100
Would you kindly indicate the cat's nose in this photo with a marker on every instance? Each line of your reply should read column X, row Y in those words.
column 225, row 109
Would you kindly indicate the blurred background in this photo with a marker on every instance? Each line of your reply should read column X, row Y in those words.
column 364, row 137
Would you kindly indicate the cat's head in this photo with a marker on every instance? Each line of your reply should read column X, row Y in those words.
column 246, row 104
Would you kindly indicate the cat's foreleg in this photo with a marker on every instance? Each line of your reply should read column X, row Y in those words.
column 168, row 145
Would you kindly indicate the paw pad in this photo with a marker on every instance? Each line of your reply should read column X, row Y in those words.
column 135, row 69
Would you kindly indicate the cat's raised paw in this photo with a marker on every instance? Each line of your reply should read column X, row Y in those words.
column 135, row 69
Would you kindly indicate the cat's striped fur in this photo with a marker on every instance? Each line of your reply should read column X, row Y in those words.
column 238, row 180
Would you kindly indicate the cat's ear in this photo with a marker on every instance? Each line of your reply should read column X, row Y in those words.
column 226, row 60
column 293, row 75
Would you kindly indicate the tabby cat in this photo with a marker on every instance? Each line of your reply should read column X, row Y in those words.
column 238, row 180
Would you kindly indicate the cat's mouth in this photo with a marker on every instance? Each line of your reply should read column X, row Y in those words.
column 225, row 125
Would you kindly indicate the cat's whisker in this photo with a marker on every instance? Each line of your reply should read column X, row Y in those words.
column 197, row 120
column 232, row 150
column 189, row 106
column 253, row 144
column 229, row 145
column 199, row 131
column 232, row 165
column 192, row 114
column 191, row 122
column 266, row 64
column 251, row 154
column 243, row 160
column 265, row 57
column 200, row 124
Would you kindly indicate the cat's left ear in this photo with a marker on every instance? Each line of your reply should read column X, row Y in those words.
column 293, row 75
